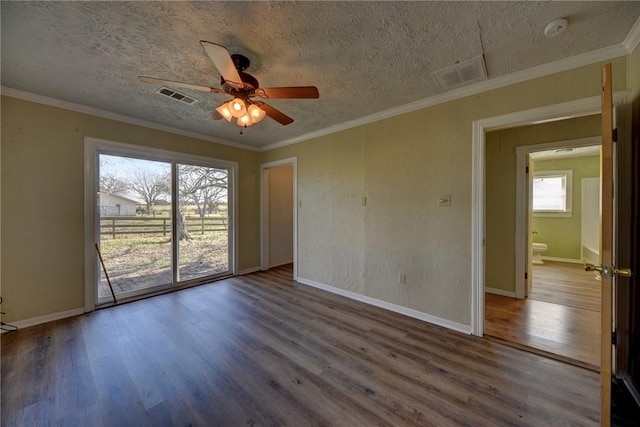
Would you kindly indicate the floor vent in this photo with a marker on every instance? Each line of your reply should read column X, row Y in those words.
column 176, row 95
column 462, row 73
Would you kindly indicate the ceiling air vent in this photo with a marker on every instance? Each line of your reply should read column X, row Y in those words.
column 176, row 95
column 462, row 73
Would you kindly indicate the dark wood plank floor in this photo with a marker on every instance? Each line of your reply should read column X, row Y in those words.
column 263, row 350
column 568, row 328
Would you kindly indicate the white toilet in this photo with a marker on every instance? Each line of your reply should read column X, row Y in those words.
column 538, row 250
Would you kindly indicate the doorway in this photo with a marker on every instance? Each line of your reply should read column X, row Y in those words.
column 554, row 307
column 155, row 221
column 279, row 215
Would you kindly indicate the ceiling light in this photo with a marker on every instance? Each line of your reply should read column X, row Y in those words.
column 244, row 120
column 256, row 113
column 225, row 111
column 238, row 107
column 556, row 27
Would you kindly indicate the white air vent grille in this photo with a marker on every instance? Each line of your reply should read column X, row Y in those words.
column 176, row 95
column 463, row 73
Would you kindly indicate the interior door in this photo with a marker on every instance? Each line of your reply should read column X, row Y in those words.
column 607, row 255
column 528, row 283
column 633, row 284
column 614, row 232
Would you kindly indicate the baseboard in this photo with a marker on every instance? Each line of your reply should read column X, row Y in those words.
column 500, row 292
column 248, row 271
column 21, row 324
column 568, row 260
column 466, row 329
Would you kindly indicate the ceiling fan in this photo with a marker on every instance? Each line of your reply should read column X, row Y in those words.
column 243, row 87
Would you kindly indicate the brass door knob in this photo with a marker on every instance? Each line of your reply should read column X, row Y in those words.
column 608, row 271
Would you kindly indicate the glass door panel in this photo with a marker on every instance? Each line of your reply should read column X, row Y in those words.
column 203, row 221
column 134, row 215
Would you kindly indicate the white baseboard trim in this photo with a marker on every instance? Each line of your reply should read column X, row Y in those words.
column 21, row 324
column 248, row 271
column 569, row 260
column 466, row 329
column 500, row 292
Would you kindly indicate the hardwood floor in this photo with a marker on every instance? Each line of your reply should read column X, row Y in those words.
column 566, row 284
column 262, row 350
column 568, row 329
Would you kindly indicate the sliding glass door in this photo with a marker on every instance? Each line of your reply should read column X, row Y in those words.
column 134, row 216
column 162, row 220
column 203, row 221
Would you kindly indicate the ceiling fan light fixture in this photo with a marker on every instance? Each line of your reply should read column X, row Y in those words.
column 256, row 113
column 238, row 108
column 225, row 111
column 244, row 121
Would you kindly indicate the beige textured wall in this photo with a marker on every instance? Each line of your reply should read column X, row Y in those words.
column 280, row 215
column 401, row 165
column 501, row 189
column 42, row 200
column 563, row 235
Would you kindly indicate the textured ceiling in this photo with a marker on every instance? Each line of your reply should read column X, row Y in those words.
column 365, row 57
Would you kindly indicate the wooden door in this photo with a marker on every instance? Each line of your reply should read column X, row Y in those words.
column 528, row 283
column 607, row 247
column 633, row 283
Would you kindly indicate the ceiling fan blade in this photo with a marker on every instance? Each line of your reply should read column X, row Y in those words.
column 276, row 115
column 222, row 60
column 215, row 116
column 181, row 85
column 288, row 92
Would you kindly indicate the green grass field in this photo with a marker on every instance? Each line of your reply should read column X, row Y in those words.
column 141, row 261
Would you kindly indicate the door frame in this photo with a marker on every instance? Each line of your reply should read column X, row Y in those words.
column 92, row 147
column 523, row 205
column 565, row 110
column 264, row 209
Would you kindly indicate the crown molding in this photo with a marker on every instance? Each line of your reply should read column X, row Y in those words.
column 633, row 38
column 53, row 102
column 588, row 58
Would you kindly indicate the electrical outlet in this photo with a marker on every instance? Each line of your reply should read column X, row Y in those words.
column 444, row 200
column 403, row 279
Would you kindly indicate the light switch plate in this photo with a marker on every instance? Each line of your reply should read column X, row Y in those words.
column 444, row 200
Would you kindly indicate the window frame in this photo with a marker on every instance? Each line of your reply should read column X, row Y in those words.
column 568, row 177
column 93, row 147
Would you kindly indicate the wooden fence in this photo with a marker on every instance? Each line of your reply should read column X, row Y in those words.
column 117, row 225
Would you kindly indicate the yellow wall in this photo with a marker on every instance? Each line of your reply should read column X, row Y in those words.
column 563, row 235
column 501, row 189
column 43, row 208
column 402, row 164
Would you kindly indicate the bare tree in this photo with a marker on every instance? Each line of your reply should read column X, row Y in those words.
column 205, row 187
column 150, row 186
column 113, row 185
column 183, row 233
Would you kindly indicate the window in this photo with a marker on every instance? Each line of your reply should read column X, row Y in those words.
column 552, row 193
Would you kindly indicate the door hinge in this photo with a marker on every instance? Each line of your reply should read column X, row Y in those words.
column 614, row 337
column 526, row 169
column 614, row 135
column 526, row 275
